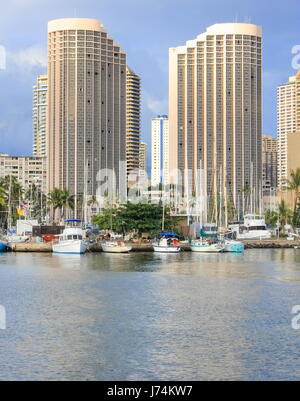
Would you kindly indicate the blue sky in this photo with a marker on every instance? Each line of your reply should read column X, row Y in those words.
column 145, row 29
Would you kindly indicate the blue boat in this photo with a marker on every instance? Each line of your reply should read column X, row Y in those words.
column 3, row 246
column 234, row 246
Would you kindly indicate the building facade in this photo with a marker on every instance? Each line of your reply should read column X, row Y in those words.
column 269, row 163
column 160, row 151
column 133, row 119
column 143, row 156
column 286, row 124
column 40, row 91
column 28, row 170
column 86, row 106
column 215, row 110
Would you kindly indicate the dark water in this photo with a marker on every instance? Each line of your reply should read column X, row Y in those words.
column 150, row 317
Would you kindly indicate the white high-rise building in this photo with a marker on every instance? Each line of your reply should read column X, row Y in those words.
column 40, row 91
column 160, row 151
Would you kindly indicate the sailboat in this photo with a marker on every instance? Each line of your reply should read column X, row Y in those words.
column 206, row 246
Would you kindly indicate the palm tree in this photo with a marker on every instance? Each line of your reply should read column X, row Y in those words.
column 12, row 193
column 285, row 215
column 68, row 201
column 60, row 199
column 92, row 201
column 271, row 218
column 293, row 185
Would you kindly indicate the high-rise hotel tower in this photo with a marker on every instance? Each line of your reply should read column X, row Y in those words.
column 86, row 105
column 215, row 98
column 133, row 119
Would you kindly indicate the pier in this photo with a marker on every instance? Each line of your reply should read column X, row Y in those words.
column 249, row 244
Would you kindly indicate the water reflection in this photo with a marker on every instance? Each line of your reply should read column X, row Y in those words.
column 150, row 316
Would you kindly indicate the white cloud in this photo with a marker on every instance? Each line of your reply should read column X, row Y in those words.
column 157, row 106
column 29, row 58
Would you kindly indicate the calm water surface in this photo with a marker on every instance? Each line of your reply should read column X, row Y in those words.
column 150, row 317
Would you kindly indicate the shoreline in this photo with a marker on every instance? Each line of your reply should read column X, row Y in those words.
column 249, row 244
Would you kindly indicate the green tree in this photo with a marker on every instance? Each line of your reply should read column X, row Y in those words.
column 37, row 200
column 285, row 215
column 12, row 193
column 271, row 218
column 60, row 199
column 141, row 218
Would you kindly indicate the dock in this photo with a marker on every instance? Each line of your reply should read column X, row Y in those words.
column 146, row 247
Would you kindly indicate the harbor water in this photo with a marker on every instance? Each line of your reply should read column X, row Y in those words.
column 146, row 316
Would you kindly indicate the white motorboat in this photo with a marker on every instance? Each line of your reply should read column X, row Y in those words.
column 254, row 227
column 204, row 246
column 167, row 244
column 71, row 240
column 115, row 247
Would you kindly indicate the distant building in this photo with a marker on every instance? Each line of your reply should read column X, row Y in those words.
column 28, row 170
column 40, row 91
column 269, row 163
column 143, row 156
column 160, row 151
column 286, row 123
column 133, row 119
column 293, row 153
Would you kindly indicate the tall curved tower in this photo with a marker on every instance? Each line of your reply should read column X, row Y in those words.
column 86, row 105
column 215, row 111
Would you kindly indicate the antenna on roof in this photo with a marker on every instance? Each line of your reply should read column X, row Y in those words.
column 236, row 17
column 248, row 20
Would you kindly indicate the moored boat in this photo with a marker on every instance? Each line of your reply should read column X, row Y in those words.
column 205, row 246
column 167, row 243
column 3, row 245
column 115, row 247
column 253, row 227
column 233, row 246
column 71, row 240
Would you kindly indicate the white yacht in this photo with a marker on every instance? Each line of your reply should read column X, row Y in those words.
column 71, row 240
column 115, row 247
column 254, row 227
column 205, row 246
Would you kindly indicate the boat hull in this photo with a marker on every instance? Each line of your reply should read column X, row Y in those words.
column 166, row 249
column 70, row 247
column 3, row 246
column 116, row 249
column 235, row 247
column 206, row 248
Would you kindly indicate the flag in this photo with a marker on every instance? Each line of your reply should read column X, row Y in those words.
column 20, row 212
column 24, row 206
